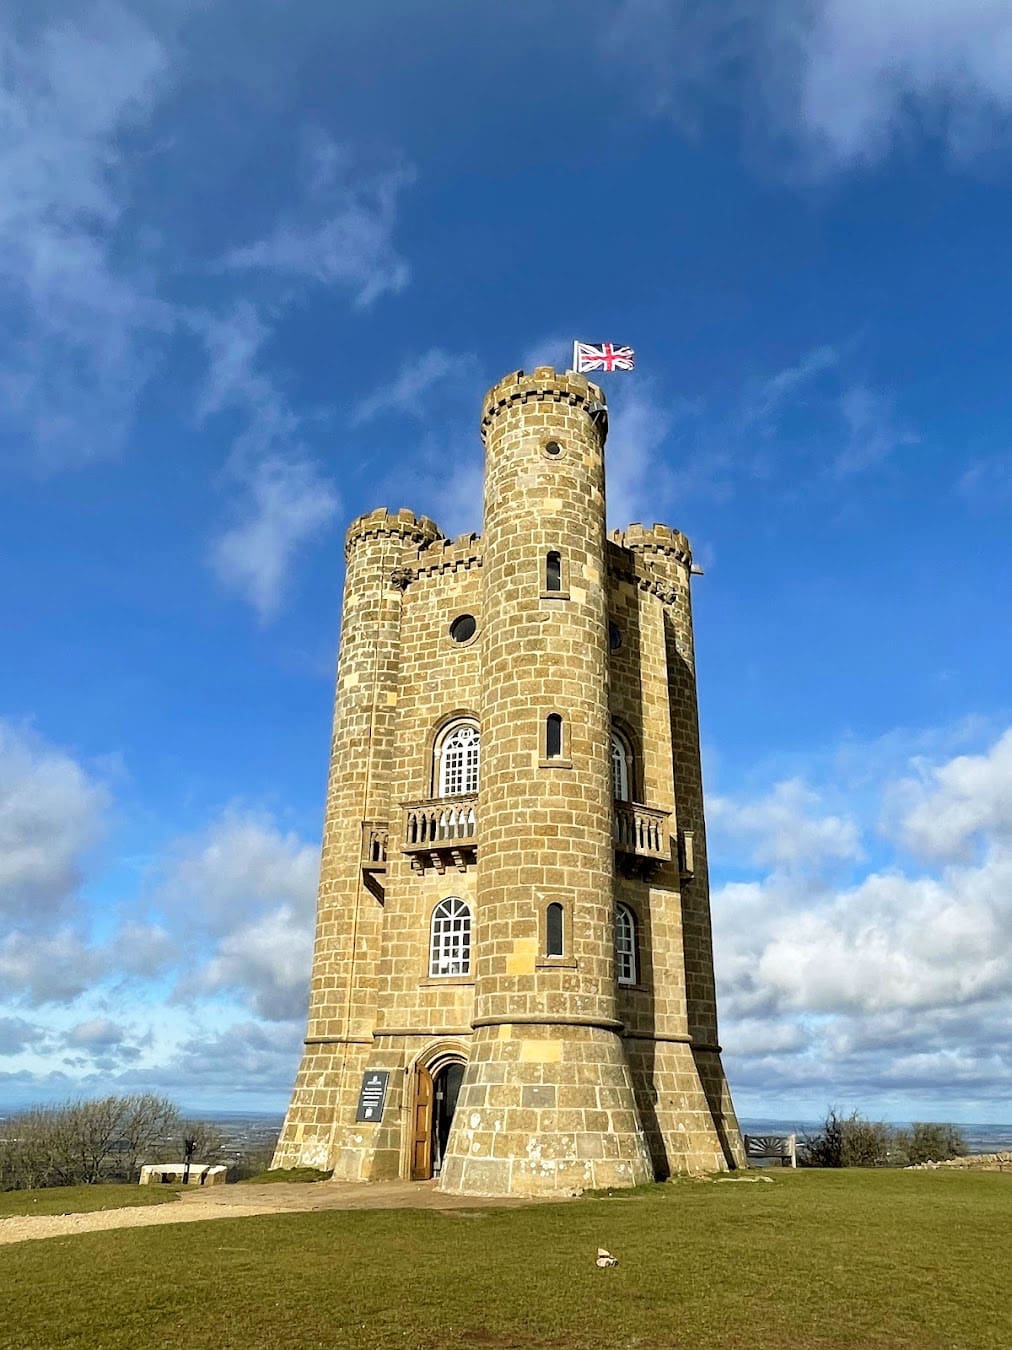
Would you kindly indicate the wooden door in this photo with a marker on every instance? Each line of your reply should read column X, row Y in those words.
column 421, row 1144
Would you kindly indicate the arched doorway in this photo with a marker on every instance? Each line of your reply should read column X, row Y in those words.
column 437, row 1086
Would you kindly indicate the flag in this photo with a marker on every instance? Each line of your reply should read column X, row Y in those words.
column 602, row 356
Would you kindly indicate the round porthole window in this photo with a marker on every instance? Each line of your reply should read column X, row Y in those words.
column 553, row 449
column 463, row 628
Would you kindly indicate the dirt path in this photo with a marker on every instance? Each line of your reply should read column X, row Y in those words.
column 240, row 1202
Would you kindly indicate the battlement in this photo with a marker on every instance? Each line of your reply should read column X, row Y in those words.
column 654, row 539
column 543, row 384
column 383, row 523
column 447, row 555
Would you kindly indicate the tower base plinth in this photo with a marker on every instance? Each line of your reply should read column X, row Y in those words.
column 545, row 1110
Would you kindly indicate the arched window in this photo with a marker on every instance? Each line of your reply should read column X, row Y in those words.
column 554, row 936
column 625, row 945
column 553, row 736
column 553, row 572
column 450, row 946
column 457, row 760
column 621, row 767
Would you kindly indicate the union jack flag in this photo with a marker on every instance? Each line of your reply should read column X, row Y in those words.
column 601, row 356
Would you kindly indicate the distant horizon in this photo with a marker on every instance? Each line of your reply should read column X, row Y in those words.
column 751, row 1117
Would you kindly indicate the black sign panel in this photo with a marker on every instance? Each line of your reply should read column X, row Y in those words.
column 372, row 1095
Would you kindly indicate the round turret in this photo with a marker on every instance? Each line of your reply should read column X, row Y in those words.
column 381, row 523
column 546, row 1047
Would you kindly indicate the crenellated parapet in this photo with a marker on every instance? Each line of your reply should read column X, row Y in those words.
column 543, row 385
column 445, row 555
column 383, row 524
column 654, row 540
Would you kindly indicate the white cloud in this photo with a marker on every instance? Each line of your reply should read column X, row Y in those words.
column 873, row 431
column 407, row 392
column 872, row 72
column 554, row 350
column 766, row 402
column 268, row 962
column 52, row 811
column 241, row 867
column 639, row 483
column 247, row 891
column 899, row 984
column 78, row 319
column 844, row 81
column 342, row 233
column 97, row 1034
column 48, row 968
column 786, row 828
column 953, row 806
column 283, row 500
column 286, row 505
column 17, row 1035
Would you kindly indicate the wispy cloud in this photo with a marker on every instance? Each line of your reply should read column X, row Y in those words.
column 408, row 391
column 79, row 319
column 843, row 81
column 284, row 500
column 285, row 505
column 342, row 232
column 873, row 430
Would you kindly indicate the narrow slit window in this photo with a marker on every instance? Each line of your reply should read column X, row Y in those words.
column 553, row 737
column 553, row 572
column 553, row 930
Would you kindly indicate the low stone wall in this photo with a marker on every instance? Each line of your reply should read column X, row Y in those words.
column 977, row 1162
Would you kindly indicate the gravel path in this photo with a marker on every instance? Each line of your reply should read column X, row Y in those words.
column 241, row 1202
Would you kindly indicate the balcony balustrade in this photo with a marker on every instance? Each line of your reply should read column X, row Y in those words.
column 375, row 837
column 641, row 831
column 441, row 831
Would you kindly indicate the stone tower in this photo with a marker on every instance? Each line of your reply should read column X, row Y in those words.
column 512, row 981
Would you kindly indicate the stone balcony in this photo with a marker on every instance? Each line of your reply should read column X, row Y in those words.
column 641, row 831
column 442, row 832
column 375, row 838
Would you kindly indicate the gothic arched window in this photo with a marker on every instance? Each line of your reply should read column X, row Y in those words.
column 626, row 961
column 621, row 767
column 450, row 942
column 457, row 760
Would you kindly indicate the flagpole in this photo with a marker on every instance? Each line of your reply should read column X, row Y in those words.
column 576, row 346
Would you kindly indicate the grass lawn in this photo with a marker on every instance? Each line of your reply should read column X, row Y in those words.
column 815, row 1259
column 82, row 1199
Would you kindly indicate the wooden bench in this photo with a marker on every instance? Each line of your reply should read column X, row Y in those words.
column 782, row 1146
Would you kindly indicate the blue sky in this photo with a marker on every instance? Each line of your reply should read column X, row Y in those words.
column 258, row 263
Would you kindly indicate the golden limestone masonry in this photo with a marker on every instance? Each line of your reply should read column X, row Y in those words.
column 512, row 984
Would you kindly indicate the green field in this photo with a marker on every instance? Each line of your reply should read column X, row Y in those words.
column 813, row 1259
column 82, row 1199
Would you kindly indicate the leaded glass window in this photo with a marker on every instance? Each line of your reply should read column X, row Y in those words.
column 458, row 760
column 450, row 946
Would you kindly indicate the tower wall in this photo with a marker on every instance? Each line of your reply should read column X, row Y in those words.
column 547, row 1101
column 693, row 1123
column 346, row 952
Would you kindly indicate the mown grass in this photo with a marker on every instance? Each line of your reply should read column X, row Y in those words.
column 306, row 1174
column 814, row 1261
column 82, row 1199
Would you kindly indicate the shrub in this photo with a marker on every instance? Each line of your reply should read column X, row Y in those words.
column 86, row 1142
column 926, row 1141
column 852, row 1141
